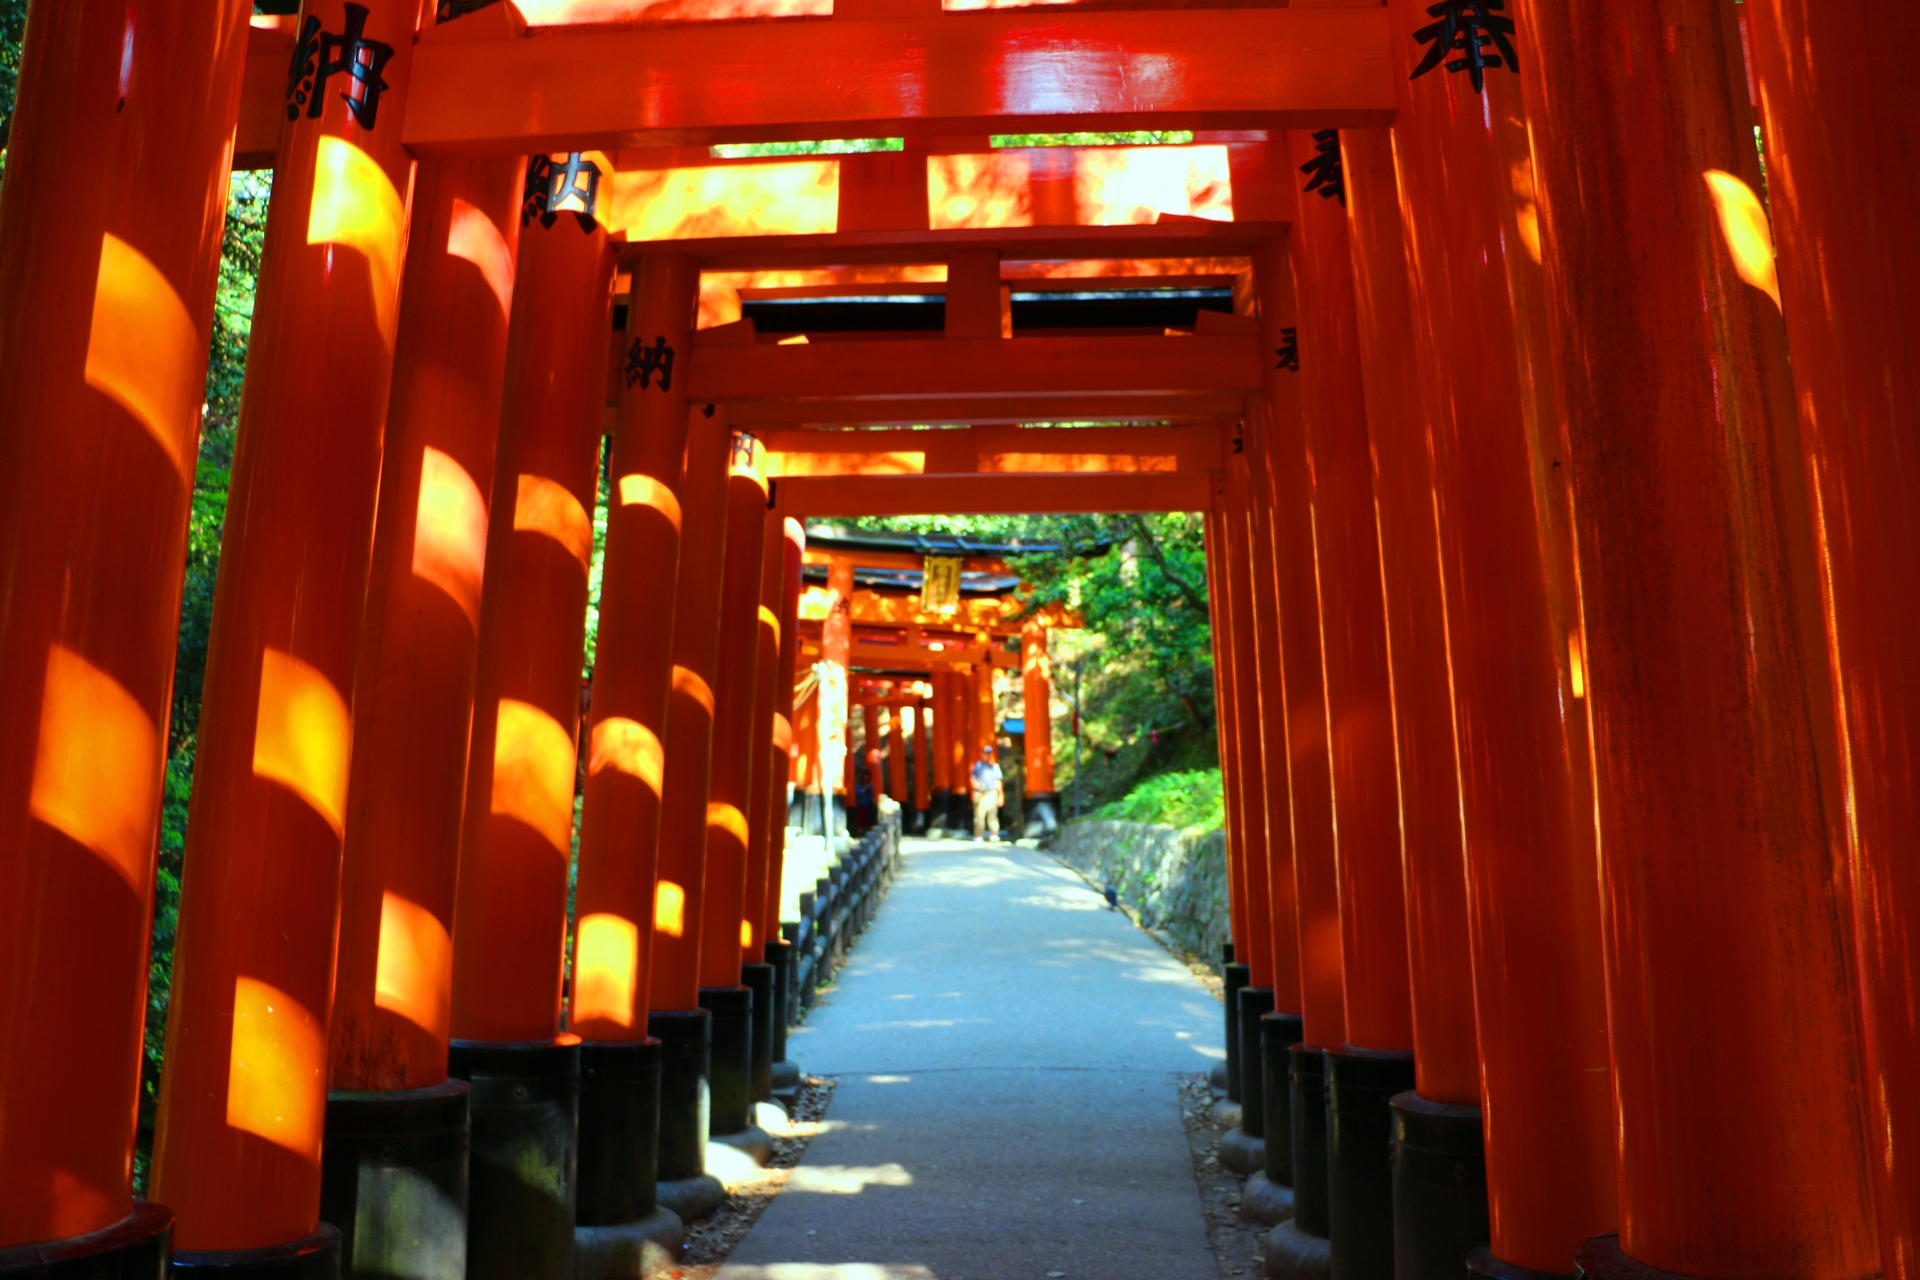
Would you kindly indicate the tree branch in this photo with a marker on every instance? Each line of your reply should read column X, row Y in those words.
column 1152, row 544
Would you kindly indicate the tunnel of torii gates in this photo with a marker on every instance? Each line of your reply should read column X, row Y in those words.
column 1565, row 632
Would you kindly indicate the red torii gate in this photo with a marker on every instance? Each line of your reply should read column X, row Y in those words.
column 1460, row 297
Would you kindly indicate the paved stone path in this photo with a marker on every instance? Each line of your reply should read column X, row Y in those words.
column 1006, row 1049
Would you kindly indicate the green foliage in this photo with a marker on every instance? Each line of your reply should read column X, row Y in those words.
column 13, row 27
column 1191, row 800
column 820, row 147
column 1142, row 138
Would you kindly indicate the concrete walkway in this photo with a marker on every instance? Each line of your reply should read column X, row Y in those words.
column 1006, row 1049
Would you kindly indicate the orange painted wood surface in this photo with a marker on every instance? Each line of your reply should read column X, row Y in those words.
column 1714, row 761
column 414, row 677
column 1195, row 407
column 510, row 912
column 1445, row 1046
column 1257, row 818
column 986, row 495
column 237, row 1154
column 963, row 367
column 1500, row 506
column 616, row 904
column 950, row 74
column 106, row 308
column 992, row 450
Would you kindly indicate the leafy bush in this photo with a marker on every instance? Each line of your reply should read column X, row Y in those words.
column 1191, row 801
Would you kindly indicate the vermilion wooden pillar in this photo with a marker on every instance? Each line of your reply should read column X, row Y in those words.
column 1041, row 801
column 105, row 310
column 680, row 903
column 510, row 913
column 766, row 789
column 836, row 644
column 1444, row 1112
column 1256, row 819
column 1716, row 799
column 616, row 905
column 1840, row 134
column 1278, row 450
column 725, row 930
column 1376, row 1061
column 1499, row 504
column 896, row 732
column 793, row 546
column 986, row 723
column 922, row 763
column 942, row 750
column 414, row 679
column 242, row 1103
column 870, row 749
column 960, row 749
column 1224, row 701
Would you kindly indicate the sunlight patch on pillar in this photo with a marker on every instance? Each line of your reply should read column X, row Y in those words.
column 630, row 747
column 96, row 770
column 688, row 684
column 473, row 237
column 607, row 969
column 780, row 197
column 1743, row 221
column 547, row 508
column 450, row 532
column 728, row 819
column 356, row 207
column 644, row 491
column 746, row 934
column 145, row 353
column 533, row 771
column 414, row 973
column 276, row 1075
column 303, row 734
column 670, row 909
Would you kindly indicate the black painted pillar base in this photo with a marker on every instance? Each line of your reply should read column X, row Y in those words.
column 759, row 979
column 1235, row 976
column 1279, row 1032
column 1481, row 1262
column 1042, row 813
column 783, row 1075
column 134, row 1248
column 1602, row 1258
column 1243, row 1150
column 619, row 1131
column 1359, row 1158
column 729, row 1058
column 940, row 815
column 393, row 1178
column 315, row 1258
column 1307, row 1074
column 524, row 1151
column 1439, row 1187
column 685, row 1186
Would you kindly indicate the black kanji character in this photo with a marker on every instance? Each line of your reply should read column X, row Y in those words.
column 744, row 446
column 533, row 196
column 1288, row 350
column 1467, row 27
column 575, row 189
column 1329, row 176
column 644, row 362
column 318, row 56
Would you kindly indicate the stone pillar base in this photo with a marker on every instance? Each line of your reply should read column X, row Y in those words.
column 393, row 1179
column 1266, row 1202
column 524, row 1151
column 1439, row 1187
column 1293, row 1254
column 631, row 1251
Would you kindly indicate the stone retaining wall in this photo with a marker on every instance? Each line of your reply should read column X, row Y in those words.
column 1175, row 880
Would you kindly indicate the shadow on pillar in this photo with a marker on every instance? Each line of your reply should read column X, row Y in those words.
column 685, row 1186
column 1439, row 1187
column 1243, row 1150
column 393, row 1179
column 1042, row 814
column 134, row 1248
column 1360, row 1084
column 621, row 1228
column 523, row 1156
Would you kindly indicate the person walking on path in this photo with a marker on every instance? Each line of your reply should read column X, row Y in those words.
column 988, row 795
